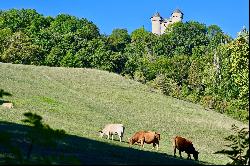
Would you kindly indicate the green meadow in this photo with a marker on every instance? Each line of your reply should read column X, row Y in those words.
column 81, row 101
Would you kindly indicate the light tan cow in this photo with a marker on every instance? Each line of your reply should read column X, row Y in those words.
column 8, row 105
column 111, row 129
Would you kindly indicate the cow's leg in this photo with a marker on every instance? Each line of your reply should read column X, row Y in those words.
column 189, row 156
column 180, row 153
column 112, row 136
column 120, row 138
column 142, row 143
column 108, row 135
column 174, row 150
column 153, row 146
column 157, row 144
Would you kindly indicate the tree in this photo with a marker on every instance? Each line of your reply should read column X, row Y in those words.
column 216, row 36
column 177, row 68
column 18, row 20
column 21, row 50
column 140, row 52
column 239, row 62
column 118, row 40
column 183, row 37
column 244, row 33
column 5, row 34
column 70, row 60
column 55, row 56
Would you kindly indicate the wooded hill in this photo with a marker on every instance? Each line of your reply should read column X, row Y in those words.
column 191, row 61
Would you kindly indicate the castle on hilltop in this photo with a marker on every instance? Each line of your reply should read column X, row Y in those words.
column 159, row 24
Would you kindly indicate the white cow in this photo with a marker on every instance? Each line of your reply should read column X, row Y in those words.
column 111, row 129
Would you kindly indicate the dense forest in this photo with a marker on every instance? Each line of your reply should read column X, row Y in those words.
column 190, row 61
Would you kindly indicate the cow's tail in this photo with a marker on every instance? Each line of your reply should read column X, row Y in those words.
column 174, row 141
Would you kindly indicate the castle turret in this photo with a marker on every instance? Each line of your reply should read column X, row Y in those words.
column 177, row 16
column 164, row 25
column 156, row 23
column 159, row 24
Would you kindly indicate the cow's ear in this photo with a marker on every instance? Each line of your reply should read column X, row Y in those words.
column 100, row 131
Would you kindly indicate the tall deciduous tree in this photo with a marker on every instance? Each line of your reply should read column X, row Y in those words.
column 118, row 39
column 20, row 49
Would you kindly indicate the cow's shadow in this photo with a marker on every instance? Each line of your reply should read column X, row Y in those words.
column 78, row 150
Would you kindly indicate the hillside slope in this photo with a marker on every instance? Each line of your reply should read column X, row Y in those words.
column 82, row 101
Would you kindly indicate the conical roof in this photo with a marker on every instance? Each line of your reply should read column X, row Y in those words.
column 157, row 14
column 177, row 11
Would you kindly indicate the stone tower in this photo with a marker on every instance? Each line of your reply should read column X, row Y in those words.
column 177, row 16
column 156, row 23
column 159, row 24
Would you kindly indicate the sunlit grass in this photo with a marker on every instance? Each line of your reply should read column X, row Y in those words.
column 82, row 101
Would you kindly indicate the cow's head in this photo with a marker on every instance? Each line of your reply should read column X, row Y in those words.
column 131, row 141
column 157, row 135
column 195, row 155
column 101, row 133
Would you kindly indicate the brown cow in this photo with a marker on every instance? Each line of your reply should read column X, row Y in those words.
column 146, row 137
column 183, row 144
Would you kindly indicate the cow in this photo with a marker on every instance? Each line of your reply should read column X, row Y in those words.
column 7, row 105
column 183, row 144
column 145, row 137
column 111, row 129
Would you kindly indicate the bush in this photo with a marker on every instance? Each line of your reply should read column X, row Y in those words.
column 222, row 106
column 159, row 83
column 239, row 146
column 208, row 101
column 138, row 76
column 166, row 85
column 185, row 91
column 193, row 97
column 172, row 88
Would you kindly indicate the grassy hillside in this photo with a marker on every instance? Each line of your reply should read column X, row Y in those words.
column 82, row 101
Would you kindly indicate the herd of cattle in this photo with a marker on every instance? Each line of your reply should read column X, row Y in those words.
column 149, row 137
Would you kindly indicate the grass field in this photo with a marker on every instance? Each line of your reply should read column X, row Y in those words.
column 82, row 101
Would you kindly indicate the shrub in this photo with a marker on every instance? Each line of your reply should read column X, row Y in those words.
column 159, row 83
column 185, row 91
column 138, row 76
column 239, row 146
column 208, row 101
column 193, row 97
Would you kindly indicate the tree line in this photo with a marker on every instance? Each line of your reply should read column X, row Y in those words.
column 190, row 61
